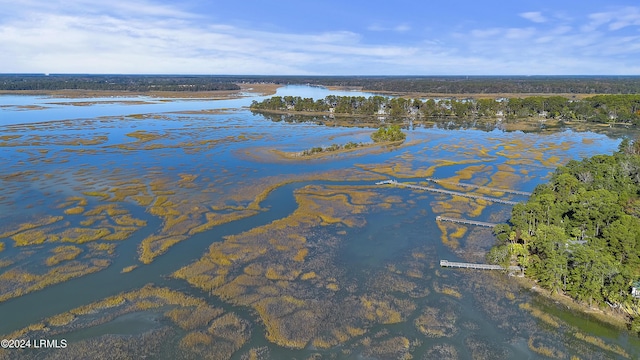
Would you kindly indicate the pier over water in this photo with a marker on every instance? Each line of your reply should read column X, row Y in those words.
column 448, row 192
column 517, row 192
column 446, row 263
column 465, row 221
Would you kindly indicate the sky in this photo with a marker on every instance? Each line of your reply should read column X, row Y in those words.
column 324, row 37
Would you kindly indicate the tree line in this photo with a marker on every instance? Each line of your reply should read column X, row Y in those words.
column 579, row 234
column 134, row 83
column 600, row 108
column 394, row 84
column 466, row 84
column 508, row 84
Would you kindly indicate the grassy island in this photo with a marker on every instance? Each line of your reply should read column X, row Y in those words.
column 332, row 148
column 389, row 133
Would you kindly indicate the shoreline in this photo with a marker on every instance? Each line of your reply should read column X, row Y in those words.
column 606, row 316
column 313, row 113
column 520, row 124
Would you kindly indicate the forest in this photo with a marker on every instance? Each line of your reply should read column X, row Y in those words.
column 599, row 108
column 506, row 84
column 579, row 234
column 132, row 83
column 466, row 84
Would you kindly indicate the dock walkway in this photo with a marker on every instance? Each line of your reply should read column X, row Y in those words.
column 465, row 221
column 448, row 192
column 446, row 263
column 517, row 192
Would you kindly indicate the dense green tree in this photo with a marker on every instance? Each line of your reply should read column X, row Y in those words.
column 430, row 108
column 623, row 237
column 499, row 255
column 389, row 133
column 580, row 233
column 549, row 261
column 487, row 107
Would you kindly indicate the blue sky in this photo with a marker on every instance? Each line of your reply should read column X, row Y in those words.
column 327, row 37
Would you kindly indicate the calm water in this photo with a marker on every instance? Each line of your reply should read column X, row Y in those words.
column 381, row 261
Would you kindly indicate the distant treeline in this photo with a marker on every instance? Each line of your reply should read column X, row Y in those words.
column 468, row 84
column 136, row 83
column 600, row 108
column 396, row 84
column 520, row 85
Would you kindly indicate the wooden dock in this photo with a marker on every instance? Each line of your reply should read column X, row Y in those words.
column 446, row 263
column 465, row 221
column 385, row 182
column 448, row 192
column 517, row 192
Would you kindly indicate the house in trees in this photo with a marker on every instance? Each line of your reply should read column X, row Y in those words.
column 635, row 289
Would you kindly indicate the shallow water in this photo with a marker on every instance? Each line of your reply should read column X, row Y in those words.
column 376, row 291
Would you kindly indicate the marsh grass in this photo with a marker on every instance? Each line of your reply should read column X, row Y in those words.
column 128, row 269
column 101, row 249
column 17, row 282
column 154, row 246
column 274, row 271
column 145, row 136
column 433, row 322
column 537, row 346
column 43, row 221
column 537, row 313
column 397, row 347
column 63, row 253
column 74, row 210
column 598, row 342
column 221, row 334
column 32, row 237
column 447, row 290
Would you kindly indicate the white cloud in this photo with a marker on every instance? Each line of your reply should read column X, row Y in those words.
column 562, row 29
column 534, row 16
column 122, row 37
column 156, row 44
column 485, row 33
column 615, row 19
column 519, row 33
column 397, row 28
column 630, row 17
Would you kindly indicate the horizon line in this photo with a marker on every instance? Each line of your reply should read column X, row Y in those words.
column 312, row 76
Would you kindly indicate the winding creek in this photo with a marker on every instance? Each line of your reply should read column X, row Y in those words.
column 287, row 258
